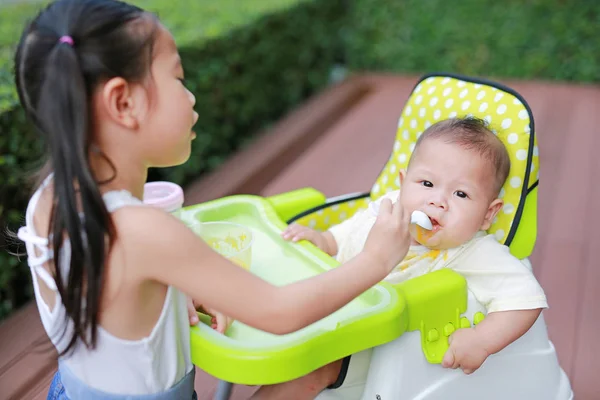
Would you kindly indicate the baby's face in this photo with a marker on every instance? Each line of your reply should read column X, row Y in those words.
column 454, row 187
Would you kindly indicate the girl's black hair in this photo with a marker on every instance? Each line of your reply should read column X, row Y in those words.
column 55, row 81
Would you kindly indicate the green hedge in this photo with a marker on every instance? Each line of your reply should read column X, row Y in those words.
column 244, row 76
column 190, row 21
column 251, row 77
column 541, row 39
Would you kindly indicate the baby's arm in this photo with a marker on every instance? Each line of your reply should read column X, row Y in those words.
column 328, row 241
column 510, row 293
column 470, row 347
column 323, row 240
column 331, row 240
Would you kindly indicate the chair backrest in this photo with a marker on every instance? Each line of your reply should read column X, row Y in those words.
column 441, row 96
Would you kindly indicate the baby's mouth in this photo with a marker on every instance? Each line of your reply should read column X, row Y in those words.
column 435, row 224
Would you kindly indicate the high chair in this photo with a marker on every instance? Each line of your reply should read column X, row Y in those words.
column 412, row 320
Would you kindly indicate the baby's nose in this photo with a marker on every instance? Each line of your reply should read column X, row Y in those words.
column 438, row 201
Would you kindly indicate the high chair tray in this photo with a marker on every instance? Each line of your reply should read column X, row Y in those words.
column 249, row 356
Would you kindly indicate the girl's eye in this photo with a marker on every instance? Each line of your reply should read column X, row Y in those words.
column 182, row 80
column 427, row 184
column 461, row 194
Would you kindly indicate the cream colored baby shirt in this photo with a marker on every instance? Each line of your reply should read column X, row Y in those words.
column 497, row 279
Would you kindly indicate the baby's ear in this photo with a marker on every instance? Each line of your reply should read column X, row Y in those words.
column 491, row 213
column 402, row 175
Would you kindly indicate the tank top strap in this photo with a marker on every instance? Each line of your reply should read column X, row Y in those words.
column 120, row 198
column 38, row 249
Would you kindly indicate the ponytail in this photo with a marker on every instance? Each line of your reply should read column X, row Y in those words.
column 63, row 55
column 63, row 113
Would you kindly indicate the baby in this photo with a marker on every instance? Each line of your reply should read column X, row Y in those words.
column 455, row 175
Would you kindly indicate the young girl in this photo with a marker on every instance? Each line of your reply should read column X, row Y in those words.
column 103, row 83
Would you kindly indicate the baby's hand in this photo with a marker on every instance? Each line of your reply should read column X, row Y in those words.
column 467, row 351
column 219, row 322
column 296, row 232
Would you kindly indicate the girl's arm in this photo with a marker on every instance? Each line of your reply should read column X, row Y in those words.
column 161, row 248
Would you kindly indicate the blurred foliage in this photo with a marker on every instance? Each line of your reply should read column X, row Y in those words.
column 190, row 21
column 539, row 39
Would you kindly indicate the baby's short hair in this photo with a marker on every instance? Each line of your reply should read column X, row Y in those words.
column 473, row 134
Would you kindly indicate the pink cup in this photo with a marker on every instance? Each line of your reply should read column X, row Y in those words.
column 165, row 195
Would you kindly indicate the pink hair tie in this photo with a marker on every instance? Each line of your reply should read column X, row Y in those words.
column 66, row 39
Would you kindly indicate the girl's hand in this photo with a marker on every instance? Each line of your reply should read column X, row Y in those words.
column 389, row 239
column 219, row 321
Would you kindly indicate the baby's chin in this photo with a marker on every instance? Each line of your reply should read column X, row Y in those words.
column 431, row 243
column 444, row 242
column 435, row 243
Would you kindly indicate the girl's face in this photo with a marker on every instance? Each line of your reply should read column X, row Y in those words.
column 168, row 115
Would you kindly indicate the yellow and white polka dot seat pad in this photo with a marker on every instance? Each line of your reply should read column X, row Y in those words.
column 438, row 97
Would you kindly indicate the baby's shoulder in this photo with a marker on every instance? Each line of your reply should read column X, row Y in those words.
column 393, row 196
column 374, row 205
column 488, row 241
column 485, row 249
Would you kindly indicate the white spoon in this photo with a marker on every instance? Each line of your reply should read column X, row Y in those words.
column 421, row 219
column 421, row 228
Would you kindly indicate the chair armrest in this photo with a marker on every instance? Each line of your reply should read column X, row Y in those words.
column 294, row 202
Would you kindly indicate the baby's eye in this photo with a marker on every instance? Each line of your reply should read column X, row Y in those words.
column 182, row 80
column 426, row 183
column 461, row 194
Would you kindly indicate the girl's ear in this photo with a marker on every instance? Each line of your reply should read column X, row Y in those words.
column 120, row 103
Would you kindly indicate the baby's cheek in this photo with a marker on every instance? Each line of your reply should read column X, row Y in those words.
column 461, row 234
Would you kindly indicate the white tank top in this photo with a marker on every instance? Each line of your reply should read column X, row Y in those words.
column 150, row 365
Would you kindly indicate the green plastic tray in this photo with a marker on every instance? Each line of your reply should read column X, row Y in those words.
column 249, row 356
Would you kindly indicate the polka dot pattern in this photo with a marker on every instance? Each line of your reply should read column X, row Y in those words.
column 323, row 219
column 438, row 98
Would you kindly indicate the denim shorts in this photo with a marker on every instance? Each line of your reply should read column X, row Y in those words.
column 181, row 391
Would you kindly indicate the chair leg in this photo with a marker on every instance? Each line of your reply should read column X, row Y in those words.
column 223, row 390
